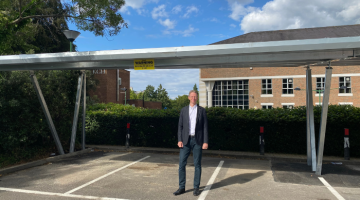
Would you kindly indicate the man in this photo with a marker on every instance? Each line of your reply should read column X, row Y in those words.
column 192, row 135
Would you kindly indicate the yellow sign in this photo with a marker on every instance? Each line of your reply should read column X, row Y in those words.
column 148, row 64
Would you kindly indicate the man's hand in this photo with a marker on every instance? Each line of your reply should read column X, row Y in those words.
column 205, row 146
column 180, row 144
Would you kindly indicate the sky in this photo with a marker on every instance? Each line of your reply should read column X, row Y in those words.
column 173, row 23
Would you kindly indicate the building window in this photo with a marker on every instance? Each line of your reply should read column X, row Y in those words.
column 267, row 105
column 266, row 86
column 345, row 81
column 233, row 94
column 320, row 85
column 288, row 105
column 99, row 71
column 288, row 87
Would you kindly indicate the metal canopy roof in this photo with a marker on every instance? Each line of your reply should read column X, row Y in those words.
column 288, row 53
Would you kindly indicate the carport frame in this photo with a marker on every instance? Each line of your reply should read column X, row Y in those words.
column 289, row 53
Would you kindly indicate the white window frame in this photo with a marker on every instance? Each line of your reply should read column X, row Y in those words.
column 267, row 105
column 266, row 89
column 345, row 103
column 344, row 82
column 322, row 83
column 288, row 81
column 288, row 104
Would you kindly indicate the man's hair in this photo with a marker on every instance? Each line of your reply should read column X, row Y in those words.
column 193, row 92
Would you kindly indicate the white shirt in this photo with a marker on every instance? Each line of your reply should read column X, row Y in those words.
column 192, row 119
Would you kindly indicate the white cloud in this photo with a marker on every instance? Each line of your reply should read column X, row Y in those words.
column 176, row 9
column 186, row 33
column 136, row 5
column 168, row 23
column 159, row 12
column 189, row 10
column 292, row 14
column 139, row 28
column 214, row 20
column 175, row 81
column 237, row 8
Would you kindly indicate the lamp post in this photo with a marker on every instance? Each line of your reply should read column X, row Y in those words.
column 71, row 36
column 322, row 91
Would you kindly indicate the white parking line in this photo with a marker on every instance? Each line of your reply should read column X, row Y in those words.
column 332, row 190
column 211, row 181
column 57, row 194
column 101, row 177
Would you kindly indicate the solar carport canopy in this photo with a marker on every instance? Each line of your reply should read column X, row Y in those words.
column 341, row 51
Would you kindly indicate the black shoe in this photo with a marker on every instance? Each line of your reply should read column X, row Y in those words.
column 196, row 191
column 179, row 191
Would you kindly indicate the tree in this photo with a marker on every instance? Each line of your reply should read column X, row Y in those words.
column 163, row 96
column 133, row 94
column 180, row 102
column 20, row 21
column 197, row 92
column 150, row 93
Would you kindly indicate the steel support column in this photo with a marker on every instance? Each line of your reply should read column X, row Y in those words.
column 324, row 112
column 76, row 114
column 311, row 151
column 84, row 112
column 46, row 112
column 209, row 87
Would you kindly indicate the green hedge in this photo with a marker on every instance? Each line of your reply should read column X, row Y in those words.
column 229, row 129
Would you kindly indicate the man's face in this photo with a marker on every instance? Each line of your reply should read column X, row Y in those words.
column 193, row 98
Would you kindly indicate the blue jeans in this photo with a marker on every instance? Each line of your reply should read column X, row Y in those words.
column 184, row 154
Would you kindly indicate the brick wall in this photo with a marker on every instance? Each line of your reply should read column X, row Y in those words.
column 106, row 90
column 297, row 73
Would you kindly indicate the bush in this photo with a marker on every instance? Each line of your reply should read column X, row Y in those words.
column 229, row 129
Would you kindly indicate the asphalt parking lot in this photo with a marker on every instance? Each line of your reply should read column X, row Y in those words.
column 122, row 175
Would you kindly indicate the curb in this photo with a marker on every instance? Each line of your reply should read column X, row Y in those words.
column 234, row 156
column 41, row 162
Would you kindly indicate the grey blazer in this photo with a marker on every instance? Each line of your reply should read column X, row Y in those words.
column 201, row 127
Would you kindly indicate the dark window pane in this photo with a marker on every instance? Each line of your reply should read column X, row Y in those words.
column 342, row 79
column 269, row 86
column 246, row 107
column 240, row 82
column 269, row 80
column 348, row 85
column 318, row 79
column 341, row 91
column 269, row 107
column 348, row 90
column 284, row 80
column 234, row 87
column 241, row 91
column 246, row 87
column 291, row 91
column 241, row 102
column 284, row 85
column 224, row 83
column 246, row 97
column 240, row 87
column 234, row 82
column 269, row 91
column 246, row 82
column 263, row 107
column 235, row 103
column 229, row 97
column 229, row 102
column 246, row 91
column 263, row 80
column 263, row 91
column 290, row 85
column 284, row 91
column 235, row 97
column 235, row 91
column 224, row 98
column 263, row 86
column 229, row 87
column 285, row 107
column 224, row 103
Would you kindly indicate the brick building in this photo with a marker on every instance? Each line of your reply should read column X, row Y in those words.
column 267, row 87
column 110, row 83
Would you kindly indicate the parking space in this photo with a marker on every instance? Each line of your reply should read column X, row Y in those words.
column 122, row 175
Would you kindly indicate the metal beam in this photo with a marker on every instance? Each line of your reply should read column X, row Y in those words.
column 324, row 112
column 84, row 113
column 310, row 121
column 76, row 113
column 46, row 112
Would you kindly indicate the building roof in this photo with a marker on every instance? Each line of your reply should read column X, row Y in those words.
column 296, row 34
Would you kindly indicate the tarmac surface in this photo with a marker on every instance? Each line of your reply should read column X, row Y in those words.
column 110, row 174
